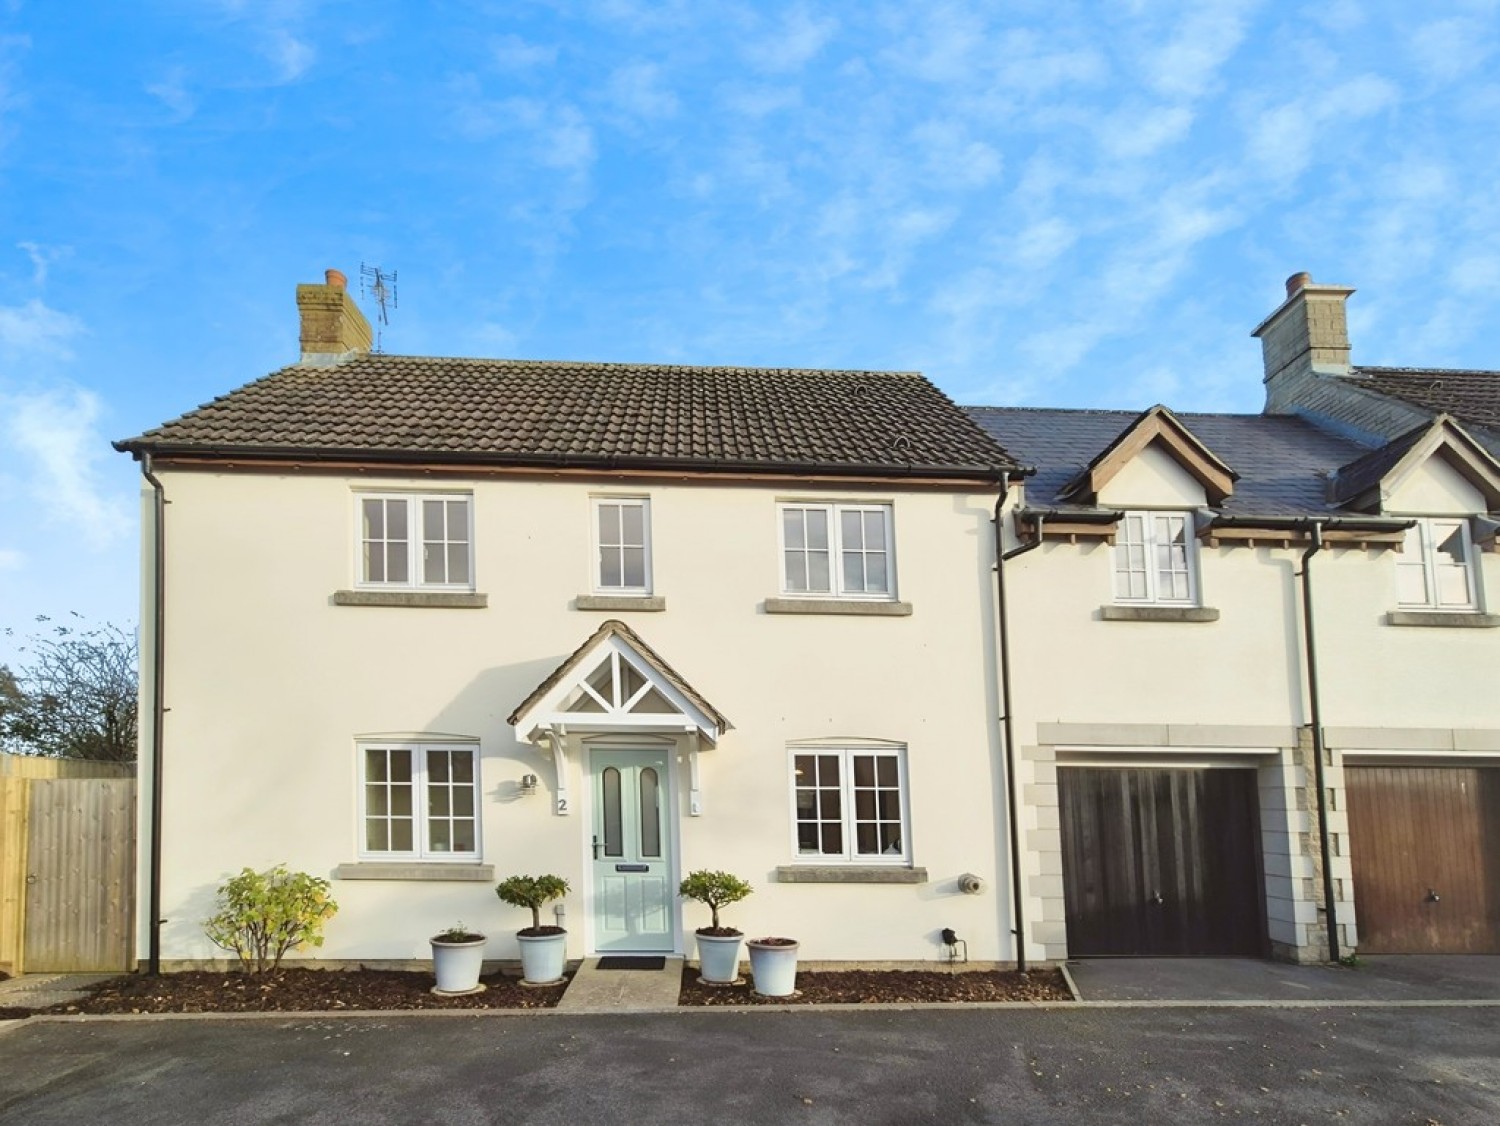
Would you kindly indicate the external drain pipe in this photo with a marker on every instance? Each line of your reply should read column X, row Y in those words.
column 158, row 709
column 1008, row 730
column 1315, row 716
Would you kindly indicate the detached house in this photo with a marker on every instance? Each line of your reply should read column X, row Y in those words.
column 421, row 623
column 1254, row 663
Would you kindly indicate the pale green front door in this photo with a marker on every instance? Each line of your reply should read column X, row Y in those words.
column 633, row 900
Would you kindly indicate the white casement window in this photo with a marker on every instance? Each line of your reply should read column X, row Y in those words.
column 415, row 540
column 838, row 550
column 419, row 801
column 622, row 545
column 1155, row 559
column 850, row 804
column 1435, row 570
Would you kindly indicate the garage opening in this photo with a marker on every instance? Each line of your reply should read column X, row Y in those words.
column 1424, row 844
column 1161, row 861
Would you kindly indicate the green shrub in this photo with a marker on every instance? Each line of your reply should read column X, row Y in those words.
column 714, row 890
column 263, row 915
column 533, row 892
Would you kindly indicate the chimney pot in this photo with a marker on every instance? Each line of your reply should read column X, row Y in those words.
column 1297, row 281
column 337, row 279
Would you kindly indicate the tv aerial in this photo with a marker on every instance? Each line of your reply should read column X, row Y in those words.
column 381, row 286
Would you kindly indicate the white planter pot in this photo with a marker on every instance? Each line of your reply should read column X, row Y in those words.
column 719, row 958
column 543, row 957
column 773, row 968
column 456, row 965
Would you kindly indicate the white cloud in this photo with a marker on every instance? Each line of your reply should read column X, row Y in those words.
column 636, row 89
column 11, row 559
column 57, row 435
column 1135, row 133
column 37, row 328
column 290, row 55
column 954, row 159
column 1450, row 49
column 794, row 44
column 1283, row 139
column 171, row 90
column 1208, row 37
column 511, row 52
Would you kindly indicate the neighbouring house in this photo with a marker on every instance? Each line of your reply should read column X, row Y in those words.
column 428, row 622
column 1253, row 663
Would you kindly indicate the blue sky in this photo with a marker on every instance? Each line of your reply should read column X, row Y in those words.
column 1035, row 203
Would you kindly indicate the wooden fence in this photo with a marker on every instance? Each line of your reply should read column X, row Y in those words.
column 67, row 860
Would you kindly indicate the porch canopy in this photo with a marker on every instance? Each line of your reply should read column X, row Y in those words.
column 615, row 683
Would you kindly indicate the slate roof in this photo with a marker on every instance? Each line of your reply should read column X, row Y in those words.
column 1282, row 461
column 526, row 412
column 1366, row 472
column 1474, row 396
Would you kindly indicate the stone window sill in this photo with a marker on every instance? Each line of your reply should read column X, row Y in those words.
column 838, row 606
column 397, row 870
column 1448, row 619
column 1158, row 614
column 849, row 874
column 428, row 599
column 643, row 603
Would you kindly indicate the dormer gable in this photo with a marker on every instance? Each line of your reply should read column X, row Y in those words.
column 1156, row 451
column 1435, row 468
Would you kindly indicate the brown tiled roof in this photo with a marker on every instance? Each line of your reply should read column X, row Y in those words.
column 527, row 412
column 1474, row 396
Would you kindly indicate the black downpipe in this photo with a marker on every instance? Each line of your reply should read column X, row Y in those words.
column 158, row 710
column 1315, row 711
column 1008, row 731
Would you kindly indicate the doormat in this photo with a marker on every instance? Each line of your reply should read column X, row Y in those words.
column 621, row 962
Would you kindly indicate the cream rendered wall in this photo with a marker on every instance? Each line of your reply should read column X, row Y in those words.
column 268, row 684
column 1435, row 488
column 1153, row 479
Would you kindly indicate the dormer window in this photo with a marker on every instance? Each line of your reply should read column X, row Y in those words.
column 1435, row 570
column 1155, row 561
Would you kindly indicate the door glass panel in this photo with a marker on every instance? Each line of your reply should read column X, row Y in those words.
column 650, row 814
column 614, row 836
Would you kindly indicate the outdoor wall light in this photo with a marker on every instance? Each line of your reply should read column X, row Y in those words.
column 528, row 785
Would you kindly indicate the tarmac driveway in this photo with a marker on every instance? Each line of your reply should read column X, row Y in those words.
column 1385, row 978
column 1038, row 1065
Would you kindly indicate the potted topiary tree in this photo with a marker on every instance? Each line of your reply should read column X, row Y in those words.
column 718, row 947
column 457, row 958
column 543, row 949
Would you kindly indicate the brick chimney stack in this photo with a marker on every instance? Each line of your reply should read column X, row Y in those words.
column 333, row 328
column 1307, row 336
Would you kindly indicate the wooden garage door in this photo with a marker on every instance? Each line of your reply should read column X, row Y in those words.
column 1162, row 862
column 1425, row 847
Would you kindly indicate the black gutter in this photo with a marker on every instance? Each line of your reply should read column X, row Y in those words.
column 1007, row 727
column 158, row 709
column 539, row 460
column 1315, row 715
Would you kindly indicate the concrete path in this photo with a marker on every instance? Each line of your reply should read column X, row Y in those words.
column 1075, row 1066
column 612, row 991
column 1382, row 978
column 41, row 991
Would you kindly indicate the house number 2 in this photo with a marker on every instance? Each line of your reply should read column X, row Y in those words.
column 562, row 806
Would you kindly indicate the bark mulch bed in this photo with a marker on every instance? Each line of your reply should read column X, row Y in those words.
column 864, row 987
column 296, row 990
